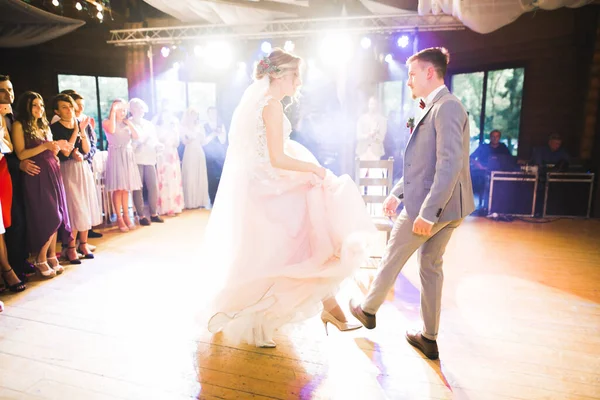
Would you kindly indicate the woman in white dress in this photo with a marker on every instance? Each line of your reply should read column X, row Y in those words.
column 194, row 174
column 284, row 231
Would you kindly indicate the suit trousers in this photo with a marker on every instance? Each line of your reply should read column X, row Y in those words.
column 15, row 236
column 150, row 182
column 401, row 246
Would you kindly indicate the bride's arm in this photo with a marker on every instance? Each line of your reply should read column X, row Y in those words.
column 273, row 118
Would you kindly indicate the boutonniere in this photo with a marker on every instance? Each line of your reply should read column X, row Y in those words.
column 410, row 124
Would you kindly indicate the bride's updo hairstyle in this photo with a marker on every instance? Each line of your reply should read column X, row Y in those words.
column 277, row 64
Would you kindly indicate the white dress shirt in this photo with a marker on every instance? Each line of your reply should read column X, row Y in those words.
column 144, row 147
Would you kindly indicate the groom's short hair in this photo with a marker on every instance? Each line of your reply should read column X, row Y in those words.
column 439, row 57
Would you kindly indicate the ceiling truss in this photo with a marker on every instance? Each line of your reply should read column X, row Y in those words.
column 406, row 22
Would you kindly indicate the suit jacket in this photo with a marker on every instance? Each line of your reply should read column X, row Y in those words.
column 437, row 182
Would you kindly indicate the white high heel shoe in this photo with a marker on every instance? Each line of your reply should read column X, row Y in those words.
column 55, row 265
column 46, row 272
column 326, row 318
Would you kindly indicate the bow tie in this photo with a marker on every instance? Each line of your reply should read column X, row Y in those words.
column 422, row 104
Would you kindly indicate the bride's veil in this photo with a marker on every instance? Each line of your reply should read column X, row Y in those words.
column 224, row 230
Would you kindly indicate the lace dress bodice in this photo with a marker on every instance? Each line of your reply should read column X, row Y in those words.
column 261, row 148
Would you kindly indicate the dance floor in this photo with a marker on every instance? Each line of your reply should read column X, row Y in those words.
column 520, row 320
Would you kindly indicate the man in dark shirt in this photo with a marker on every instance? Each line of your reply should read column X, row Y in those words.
column 486, row 152
column 487, row 157
column 15, row 235
column 552, row 155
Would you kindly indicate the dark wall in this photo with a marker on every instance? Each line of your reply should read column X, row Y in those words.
column 83, row 52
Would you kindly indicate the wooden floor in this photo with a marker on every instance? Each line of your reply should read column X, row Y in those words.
column 521, row 320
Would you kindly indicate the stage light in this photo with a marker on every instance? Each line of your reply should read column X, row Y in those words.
column 389, row 58
column 100, row 15
column 365, row 42
column 266, row 47
column 198, row 51
column 403, row 41
column 218, row 54
column 55, row 3
column 312, row 63
column 165, row 51
column 242, row 65
column 78, row 6
column 336, row 49
column 289, row 46
column 176, row 65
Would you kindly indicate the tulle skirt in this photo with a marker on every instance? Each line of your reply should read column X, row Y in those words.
column 292, row 243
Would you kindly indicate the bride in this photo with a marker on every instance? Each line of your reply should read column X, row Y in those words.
column 284, row 232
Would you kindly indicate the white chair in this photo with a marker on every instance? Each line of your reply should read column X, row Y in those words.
column 375, row 180
column 98, row 165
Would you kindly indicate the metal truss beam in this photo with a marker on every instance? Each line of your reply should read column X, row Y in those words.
column 285, row 29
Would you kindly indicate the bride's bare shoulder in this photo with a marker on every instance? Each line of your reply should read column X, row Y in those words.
column 272, row 108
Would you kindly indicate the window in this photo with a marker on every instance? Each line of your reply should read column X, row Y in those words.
column 99, row 93
column 181, row 95
column 202, row 95
column 493, row 99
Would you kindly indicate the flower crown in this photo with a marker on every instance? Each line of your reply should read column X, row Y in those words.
column 265, row 66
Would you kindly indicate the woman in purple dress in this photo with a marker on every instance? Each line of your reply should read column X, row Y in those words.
column 45, row 201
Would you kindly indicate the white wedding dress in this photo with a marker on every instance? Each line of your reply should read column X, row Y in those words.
column 281, row 241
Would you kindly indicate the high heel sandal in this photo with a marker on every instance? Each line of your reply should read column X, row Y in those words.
column 76, row 260
column 122, row 226
column 130, row 225
column 59, row 269
column 84, row 250
column 17, row 287
column 47, row 272
column 326, row 317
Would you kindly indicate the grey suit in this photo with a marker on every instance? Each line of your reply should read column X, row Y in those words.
column 437, row 186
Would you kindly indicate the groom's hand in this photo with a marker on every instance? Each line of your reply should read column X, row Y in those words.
column 422, row 227
column 390, row 205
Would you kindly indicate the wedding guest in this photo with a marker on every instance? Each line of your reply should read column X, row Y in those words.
column 215, row 149
column 122, row 174
column 80, row 187
column 145, row 149
column 45, row 201
column 195, row 176
column 16, row 234
column 170, row 187
column 11, row 280
column 89, row 157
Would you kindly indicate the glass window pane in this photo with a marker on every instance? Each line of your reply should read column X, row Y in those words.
column 202, row 95
column 110, row 89
column 85, row 86
column 173, row 92
column 503, row 105
column 469, row 89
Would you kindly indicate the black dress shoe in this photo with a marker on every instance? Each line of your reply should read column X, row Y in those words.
column 428, row 347
column 144, row 221
column 368, row 320
column 156, row 218
column 94, row 235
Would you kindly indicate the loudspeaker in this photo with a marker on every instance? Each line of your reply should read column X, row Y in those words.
column 568, row 194
column 512, row 193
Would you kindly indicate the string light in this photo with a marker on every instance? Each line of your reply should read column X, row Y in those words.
column 100, row 15
column 78, row 6
column 98, row 7
column 55, row 3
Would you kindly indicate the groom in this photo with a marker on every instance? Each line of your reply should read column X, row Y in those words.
column 437, row 195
